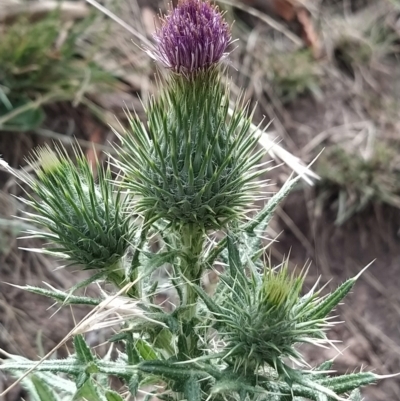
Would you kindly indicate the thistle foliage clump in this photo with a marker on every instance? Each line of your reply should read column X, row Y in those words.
column 184, row 173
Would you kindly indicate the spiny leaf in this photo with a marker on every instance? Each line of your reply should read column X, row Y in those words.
column 345, row 383
column 264, row 217
column 332, row 300
column 355, row 395
column 192, row 389
column 68, row 366
column 61, row 296
column 155, row 261
column 44, row 392
column 211, row 305
column 81, row 379
column 113, row 396
column 83, row 352
column 92, row 279
column 145, row 350
column 235, row 264
column 170, row 370
column 325, row 366
column 89, row 392
column 133, row 384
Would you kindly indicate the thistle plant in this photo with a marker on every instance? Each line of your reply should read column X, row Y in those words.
column 186, row 172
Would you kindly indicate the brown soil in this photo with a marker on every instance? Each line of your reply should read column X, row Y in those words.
column 370, row 334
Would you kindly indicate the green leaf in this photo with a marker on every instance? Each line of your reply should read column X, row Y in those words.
column 83, row 284
column 131, row 351
column 145, row 350
column 355, row 395
column 83, row 352
column 235, row 264
column 333, row 299
column 61, row 296
column 81, row 379
column 171, row 371
column 240, row 386
column 53, row 381
column 71, row 366
column 89, row 392
column 133, row 384
column 26, row 118
column 154, row 261
column 345, row 383
column 44, row 392
column 261, row 221
column 325, row 366
column 211, row 305
column 192, row 389
column 113, row 396
column 68, row 366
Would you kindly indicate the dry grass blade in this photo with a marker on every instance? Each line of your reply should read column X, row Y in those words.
column 121, row 22
column 82, row 326
column 265, row 18
column 68, row 10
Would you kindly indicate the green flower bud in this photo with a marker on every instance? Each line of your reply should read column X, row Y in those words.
column 85, row 220
column 193, row 165
column 263, row 321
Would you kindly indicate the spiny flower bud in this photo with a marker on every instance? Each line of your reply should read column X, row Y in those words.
column 84, row 219
column 193, row 37
column 263, row 320
column 194, row 164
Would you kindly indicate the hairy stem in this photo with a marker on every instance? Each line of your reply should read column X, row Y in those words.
column 192, row 240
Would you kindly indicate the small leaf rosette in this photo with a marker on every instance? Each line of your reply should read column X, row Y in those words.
column 85, row 220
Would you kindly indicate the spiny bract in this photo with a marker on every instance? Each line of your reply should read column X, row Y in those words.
column 193, row 165
column 87, row 220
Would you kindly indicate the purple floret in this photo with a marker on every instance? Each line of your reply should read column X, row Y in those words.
column 193, row 37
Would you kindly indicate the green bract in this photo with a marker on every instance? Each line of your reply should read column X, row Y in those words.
column 193, row 164
column 264, row 318
column 85, row 220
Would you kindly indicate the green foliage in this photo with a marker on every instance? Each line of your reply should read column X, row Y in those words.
column 357, row 181
column 37, row 68
column 374, row 42
column 293, row 74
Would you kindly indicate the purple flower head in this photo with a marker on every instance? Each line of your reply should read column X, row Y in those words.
column 193, row 37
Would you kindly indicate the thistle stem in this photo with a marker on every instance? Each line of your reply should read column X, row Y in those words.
column 192, row 240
